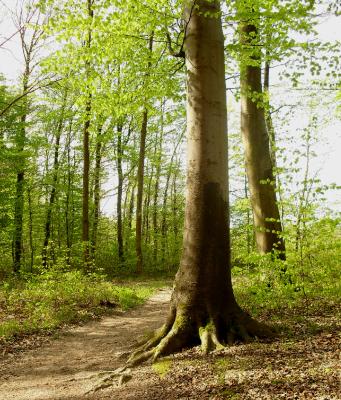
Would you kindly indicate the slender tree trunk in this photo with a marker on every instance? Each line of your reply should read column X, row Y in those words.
column 140, row 180
column 68, row 196
column 164, row 204
column 86, row 154
column 86, row 169
column 156, row 186
column 20, row 184
column 130, row 213
column 30, row 227
column 248, row 233
column 268, row 118
column 174, row 201
column 54, row 185
column 146, row 211
column 203, row 307
column 120, row 239
column 164, row 216
column 97, row 191
column 268, row 228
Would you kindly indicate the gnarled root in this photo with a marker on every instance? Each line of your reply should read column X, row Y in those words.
column 212, row 335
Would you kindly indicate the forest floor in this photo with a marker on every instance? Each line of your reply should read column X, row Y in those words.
column 304, row 364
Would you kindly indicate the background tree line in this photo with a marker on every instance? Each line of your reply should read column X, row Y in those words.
column 92, row 139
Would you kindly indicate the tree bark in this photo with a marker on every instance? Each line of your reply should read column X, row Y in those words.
column 19, row 195
column 203, row 308
column 86, row 155
column 120, row 242
column 68, row 196
column 97, row 191
column 54, row 185
column 158, row 150
column 140, row 180
column 259, row 167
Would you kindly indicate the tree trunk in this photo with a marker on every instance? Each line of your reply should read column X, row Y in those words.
column 120, row 241
column 30, row 227
column 156, row 186
column 268, row 228
column 54, row 185
column 97, row 191
column 86, row 155
column 140, row 179
column 130, row 213
column 203, row 308
column 19, row 195
column 68, row 196
column 146, row 211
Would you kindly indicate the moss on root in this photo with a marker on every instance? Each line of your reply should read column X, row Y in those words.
column 182, row 333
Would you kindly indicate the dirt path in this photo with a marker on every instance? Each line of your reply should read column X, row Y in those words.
column 301, row 364
column 68, row 367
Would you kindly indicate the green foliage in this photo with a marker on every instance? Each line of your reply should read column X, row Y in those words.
column 307, row 280
column 47, row 301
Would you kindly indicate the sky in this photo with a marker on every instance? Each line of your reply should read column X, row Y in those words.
column 328, row 161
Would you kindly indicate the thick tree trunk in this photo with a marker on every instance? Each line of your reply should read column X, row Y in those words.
column 203, row 308
column 259, row 168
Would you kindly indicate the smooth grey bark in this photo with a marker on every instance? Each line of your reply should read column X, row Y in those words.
column 203, row 307
column 259, row 167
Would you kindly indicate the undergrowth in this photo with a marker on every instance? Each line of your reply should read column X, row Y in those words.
column 277, row 290
column 44, row 302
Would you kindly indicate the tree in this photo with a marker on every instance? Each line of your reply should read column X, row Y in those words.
column 203, row 307
column 53, row 193
column 259, row 165
column 29, row 43
column 86, row 145
column 140, row 174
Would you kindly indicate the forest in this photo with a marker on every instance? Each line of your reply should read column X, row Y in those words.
column 169, row 199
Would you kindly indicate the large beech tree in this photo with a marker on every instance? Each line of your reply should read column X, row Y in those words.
column 203, row 307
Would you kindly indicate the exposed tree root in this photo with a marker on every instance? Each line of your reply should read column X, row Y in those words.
column 212, row 336
column 108, row 378
column 186, row 329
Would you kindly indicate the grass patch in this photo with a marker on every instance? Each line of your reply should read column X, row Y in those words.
column 47, row 301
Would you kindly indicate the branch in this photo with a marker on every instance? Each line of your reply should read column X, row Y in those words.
column 180, row 53
column 30, row 90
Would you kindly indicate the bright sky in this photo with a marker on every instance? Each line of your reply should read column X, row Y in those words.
column 329, row 148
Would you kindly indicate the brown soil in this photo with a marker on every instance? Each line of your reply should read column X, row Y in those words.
column 301, row 365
